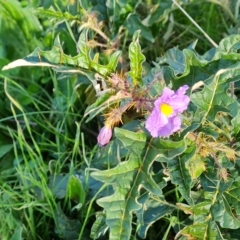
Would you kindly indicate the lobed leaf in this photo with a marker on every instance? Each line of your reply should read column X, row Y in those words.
column 153, row 209
column 180, row 175
column 214, row 98
column 127, row 178
column 132, row 141
column 167, row 149
column 188, row 67
column 207, row 230
column 99, row 227
column 122, row 203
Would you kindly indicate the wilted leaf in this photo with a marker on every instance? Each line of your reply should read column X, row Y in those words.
column 205, row 231
column 196, row 166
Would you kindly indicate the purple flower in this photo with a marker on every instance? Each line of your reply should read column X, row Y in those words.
column 164, row 119
column 104, row 136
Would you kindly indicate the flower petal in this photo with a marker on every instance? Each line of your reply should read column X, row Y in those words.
column 162, row 124
column 167, row 93
column 182, row 90
column 155, row 122
column 176, row 123
column 179, row 103
column 173, row 125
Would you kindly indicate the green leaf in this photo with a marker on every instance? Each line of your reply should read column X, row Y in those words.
column 233, row 196
column 5, row 145
column 52, row 13
column 205, row 216
column 131, row 140
column 66, row 228
column 159, row 12
column 167, row 149
column 58, row 185
column 153, row 209
column 122, row 203
column 136, row 60
column 103, row 102
column 60, row 62
column 99, row 227
column 216, row 206
column 223, row 214
column 205, row 231
column 17, row 235
column 188, row 67
column 176, row 59
column 92, row 185
column 113, row 61
column 236, row 124
column 109, row 156
column 5, row 149
column 134, row 24
column 214, row 98
column 117, row 13
column 156, row 81
column 179, row 173
column 229, row 45
column 75, row 190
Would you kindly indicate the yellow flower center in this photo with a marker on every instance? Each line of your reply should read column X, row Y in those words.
column 166, row 109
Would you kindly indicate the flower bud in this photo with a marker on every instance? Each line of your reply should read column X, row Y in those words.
column 104, row 136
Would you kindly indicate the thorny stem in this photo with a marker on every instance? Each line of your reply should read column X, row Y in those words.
column 143, row 99
column 232, row 89
column 216, row 160
column 89, row 25
column 151, row 83
column 222, row 171
column 140, row 102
